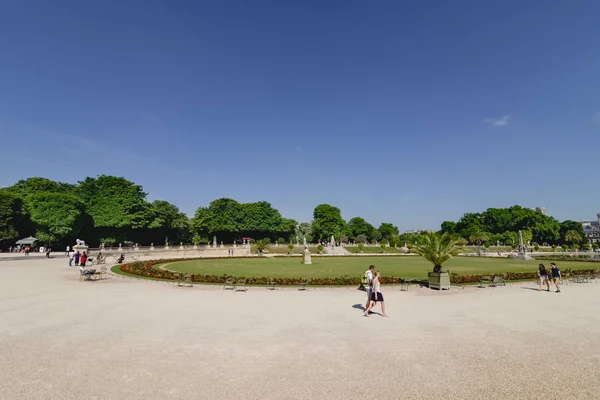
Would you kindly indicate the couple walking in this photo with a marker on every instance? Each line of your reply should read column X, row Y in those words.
column 544, row 278
column 373, row 289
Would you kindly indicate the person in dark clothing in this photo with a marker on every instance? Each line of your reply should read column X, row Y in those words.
column 556, row 276
column 76, row 257
column 543, row 274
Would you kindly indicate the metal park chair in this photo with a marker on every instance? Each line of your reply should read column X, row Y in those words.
column 240, row 286
column 485, row 280
column 271, row 285
column 303, row 285
column 229, row 284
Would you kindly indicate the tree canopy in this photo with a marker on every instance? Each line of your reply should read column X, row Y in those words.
column 500, row 222
column 327, row 222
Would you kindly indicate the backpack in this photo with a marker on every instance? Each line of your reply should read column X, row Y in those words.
column 365, row 279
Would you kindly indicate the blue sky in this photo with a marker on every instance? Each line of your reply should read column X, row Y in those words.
column 407, row 112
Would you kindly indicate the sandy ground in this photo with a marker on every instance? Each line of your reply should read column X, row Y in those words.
column 124, row 339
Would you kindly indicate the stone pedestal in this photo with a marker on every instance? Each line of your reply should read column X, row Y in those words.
column 195, row 247
column 151, row 246
column 181, row 246
column 80, row 248
column 306, row 257
column 221, row 245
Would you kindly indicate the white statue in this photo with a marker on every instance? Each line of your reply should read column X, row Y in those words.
column 80, row 242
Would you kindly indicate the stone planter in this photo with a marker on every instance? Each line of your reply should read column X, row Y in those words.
column 439, row 280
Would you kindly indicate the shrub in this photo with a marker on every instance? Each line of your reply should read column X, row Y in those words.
column 266, row 240
column 281, row 240
column 382, row 245
column 361, row 238
column 320, row 248
column 291, row 247
column 361, row 247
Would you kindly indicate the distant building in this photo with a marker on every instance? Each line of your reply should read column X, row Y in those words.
column 417, row 230
column 592, row 229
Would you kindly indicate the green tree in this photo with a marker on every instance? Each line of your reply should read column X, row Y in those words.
column 31, row 186
column 573, row 237
column 14, row 221
column 388, row 231
column 291, row 248
column 169, row 222
column 58, row 217
column 448, row 227
column 527, row 236
column 437, row 249
column 478, row 237
column 510, row 238
column 260, row 246
column 327, row 222
column 573, row 227
column 304, row 230
column 117, row 206
column 358, row 226
column 361, row 239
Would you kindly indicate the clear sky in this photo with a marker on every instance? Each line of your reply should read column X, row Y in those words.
column 407, row 112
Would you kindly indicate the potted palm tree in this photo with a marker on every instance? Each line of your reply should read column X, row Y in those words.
column 437, row 249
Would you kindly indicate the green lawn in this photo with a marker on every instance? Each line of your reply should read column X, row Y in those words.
column 403, row 266
column 372, row 249
column 283, row 249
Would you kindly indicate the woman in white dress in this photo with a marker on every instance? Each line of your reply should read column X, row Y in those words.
column 377, row 296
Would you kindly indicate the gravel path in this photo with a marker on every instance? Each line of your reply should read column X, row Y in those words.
column 124, row 339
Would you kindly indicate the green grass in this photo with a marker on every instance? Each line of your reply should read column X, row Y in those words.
column 283, row 249
column 403, row 266
column 373, row 249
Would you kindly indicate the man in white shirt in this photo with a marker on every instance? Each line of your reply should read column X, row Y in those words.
column 369, row 287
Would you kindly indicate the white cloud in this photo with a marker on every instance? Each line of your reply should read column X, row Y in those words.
column 502, row 121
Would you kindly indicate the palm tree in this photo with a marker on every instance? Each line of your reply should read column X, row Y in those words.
column 572, row 237
column 260, row 246
column 437, row 249
column 479, row 237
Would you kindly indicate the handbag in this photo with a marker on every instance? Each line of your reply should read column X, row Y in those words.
column 362, row 287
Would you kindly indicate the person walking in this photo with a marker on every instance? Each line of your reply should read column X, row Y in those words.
column 27, row 249
column 84, row 258
column 76, row 257
column 368, row 284
column 377, row 296
column 543, row 274
column 68, row 250
column 556, row 276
